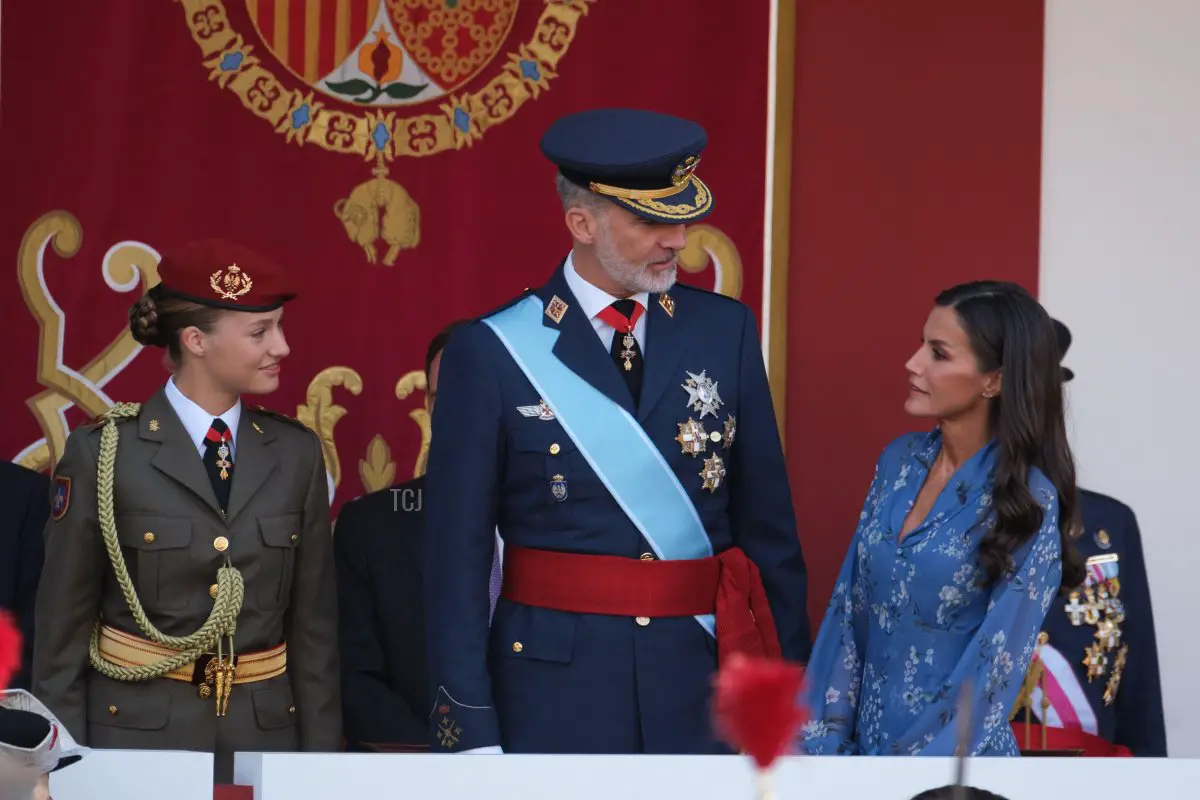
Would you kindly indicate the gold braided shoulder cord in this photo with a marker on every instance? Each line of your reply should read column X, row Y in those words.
column 221, row 622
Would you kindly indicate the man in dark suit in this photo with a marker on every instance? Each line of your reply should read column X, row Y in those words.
column 1099, row 655
column 378, row 545
column 25, row 502
column 618, row 429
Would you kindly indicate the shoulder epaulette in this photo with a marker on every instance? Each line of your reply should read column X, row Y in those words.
column 684, row 288
column 283, row 418
column 506, row 304
column 120, row 412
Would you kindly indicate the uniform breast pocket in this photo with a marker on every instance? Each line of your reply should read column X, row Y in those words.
column 159, row 546
column 547, row 468
column 280, row 537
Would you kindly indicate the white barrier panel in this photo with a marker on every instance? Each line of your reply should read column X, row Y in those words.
column 311, row 776
column 136, row 775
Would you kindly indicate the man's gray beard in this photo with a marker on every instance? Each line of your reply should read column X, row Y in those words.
column 633, row 277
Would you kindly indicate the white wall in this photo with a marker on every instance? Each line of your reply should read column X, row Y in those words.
column 1120, row 264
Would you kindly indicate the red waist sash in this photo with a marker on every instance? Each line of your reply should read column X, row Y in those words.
column 1068, row 739
column 727, row 585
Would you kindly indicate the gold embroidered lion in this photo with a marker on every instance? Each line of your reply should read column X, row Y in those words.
column 380, row 209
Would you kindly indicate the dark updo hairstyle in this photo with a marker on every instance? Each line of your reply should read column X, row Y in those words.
column 157, row 319
column 1009, row 331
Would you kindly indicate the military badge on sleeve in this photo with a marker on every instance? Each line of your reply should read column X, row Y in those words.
column 60, row 498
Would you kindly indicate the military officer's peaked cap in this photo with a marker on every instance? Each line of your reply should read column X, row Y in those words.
column 642, row 160
column 222, row 274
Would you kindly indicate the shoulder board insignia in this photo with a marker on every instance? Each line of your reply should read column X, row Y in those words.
column 118, row 413
column 282, row 418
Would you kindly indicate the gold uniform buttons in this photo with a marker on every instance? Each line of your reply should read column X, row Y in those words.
column 148, row 537
column 112, row 710
column 291, row 709
column 220, row 544
column 518, row 647
column 295, row 537
column 212, row 591
column 643, row 621
column 554, row 448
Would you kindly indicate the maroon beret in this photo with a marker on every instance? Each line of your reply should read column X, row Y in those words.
column 221, row 274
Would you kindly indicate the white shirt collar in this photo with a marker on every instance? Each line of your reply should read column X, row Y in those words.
column 196, row 421
column 592, row 299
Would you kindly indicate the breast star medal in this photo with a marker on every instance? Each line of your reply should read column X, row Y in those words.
column 223, row 461
column 713, row 473
column 730, row 431
column 702, row 394
column 692, row 439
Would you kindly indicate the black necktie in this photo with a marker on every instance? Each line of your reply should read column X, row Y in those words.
column 218, row 460
column 623, row 315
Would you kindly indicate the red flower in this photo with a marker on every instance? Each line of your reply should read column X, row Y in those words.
column 758, row 707
column 10, row 649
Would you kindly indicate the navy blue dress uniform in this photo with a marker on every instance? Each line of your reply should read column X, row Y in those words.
column 646, row 519
column 25, row 499
column 1098, row 689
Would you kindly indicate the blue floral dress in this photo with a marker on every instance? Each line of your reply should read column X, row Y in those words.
column 911, row 624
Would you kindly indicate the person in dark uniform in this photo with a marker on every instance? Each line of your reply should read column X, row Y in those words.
column 25, row 500
column 1097, row 680
column 188, row 600
column 618, row 429
column 378, row 543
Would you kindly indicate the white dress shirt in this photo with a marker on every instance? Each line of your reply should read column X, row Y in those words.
column 196, row 421
column 592, row 300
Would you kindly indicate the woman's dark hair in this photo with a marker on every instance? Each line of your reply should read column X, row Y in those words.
column 1011, row 332
column 157, row 319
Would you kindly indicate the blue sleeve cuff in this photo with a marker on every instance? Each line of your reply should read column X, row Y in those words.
column 456, row 727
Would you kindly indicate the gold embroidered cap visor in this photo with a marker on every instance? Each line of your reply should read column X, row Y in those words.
column 222, row 274
column 643, row 161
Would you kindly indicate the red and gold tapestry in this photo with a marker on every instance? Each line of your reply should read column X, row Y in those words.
column 386, row 151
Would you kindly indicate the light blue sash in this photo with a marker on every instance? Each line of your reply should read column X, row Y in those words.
column 645, row 488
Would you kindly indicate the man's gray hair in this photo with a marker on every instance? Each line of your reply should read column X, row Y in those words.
column 573, row 195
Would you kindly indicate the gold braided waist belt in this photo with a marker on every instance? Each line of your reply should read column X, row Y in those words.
column 208, row 672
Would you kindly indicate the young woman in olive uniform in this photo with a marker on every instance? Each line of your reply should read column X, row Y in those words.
column 188, row 598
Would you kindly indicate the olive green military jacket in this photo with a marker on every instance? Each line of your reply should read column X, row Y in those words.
column 174, row 537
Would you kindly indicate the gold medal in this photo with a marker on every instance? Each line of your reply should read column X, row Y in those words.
column 692, row 438
column 223, row 461
column 713, row 473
